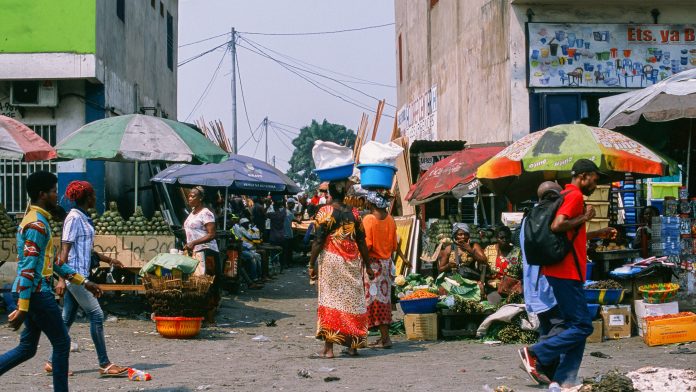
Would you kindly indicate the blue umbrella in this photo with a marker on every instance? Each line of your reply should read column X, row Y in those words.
column 239, row 174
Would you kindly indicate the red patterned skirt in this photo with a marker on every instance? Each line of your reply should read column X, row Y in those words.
column 378, row 293
column 342, row 316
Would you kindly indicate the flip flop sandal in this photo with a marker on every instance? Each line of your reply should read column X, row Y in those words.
column 48, row 368
column 104, row 372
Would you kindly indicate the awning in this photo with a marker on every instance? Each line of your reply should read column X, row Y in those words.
column 445, row 175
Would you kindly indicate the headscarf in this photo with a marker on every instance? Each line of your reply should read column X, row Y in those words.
column 78, row 190
column 377, row 200
column 460, row 226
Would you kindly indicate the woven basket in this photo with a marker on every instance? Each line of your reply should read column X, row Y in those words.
column 659, row 293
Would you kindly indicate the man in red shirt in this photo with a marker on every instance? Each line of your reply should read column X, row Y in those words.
column 566, row 278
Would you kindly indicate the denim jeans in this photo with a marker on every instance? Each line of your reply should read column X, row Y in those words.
column 566, row 347
column 252, row 262
column 43, row 316
column 550, row 324
column 77, row 296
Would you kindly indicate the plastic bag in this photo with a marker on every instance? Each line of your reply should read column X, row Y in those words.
column 373, row 152
column 328, row 154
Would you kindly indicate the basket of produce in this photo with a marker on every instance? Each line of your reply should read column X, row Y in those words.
column 419, row 302
column 659, row 293
column 178, row 327
column 604, row 292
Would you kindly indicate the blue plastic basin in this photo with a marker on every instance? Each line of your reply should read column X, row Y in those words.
column 335, row 173
column 376, row 175
column 419, row 306
column 604, row 296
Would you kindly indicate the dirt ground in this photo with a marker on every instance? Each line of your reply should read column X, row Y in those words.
column 224, row 357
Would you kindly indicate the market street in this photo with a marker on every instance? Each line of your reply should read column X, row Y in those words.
column 224, row 358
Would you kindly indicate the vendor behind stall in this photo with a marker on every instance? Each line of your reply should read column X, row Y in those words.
column 502, row 257
column 461, row 256
column 644, row 232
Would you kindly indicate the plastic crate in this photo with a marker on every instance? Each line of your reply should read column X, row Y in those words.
column 421, row 326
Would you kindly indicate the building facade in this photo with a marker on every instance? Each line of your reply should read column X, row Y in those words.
column 64, row 64
column 494, row 70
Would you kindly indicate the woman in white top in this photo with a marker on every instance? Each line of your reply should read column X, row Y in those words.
column 200, row 230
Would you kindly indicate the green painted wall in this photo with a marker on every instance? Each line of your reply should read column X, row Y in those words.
column 37, row 26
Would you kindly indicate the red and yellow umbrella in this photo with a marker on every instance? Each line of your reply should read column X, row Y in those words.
column 549, row 155
column 19, row 142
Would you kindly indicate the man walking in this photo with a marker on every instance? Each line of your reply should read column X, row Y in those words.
column 566, row 280
column 33, row 284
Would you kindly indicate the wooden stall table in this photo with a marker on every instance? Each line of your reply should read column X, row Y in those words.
column 269, row 253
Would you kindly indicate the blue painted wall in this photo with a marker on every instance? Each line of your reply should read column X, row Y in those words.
column 94, row 103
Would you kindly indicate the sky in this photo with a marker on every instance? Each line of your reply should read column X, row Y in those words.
column 269, row 88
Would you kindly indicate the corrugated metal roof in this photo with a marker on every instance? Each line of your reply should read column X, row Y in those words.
column 436, row 145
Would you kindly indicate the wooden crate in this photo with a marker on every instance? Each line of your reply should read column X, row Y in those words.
column 421, row 326
column 600, row 194
column 596, row 224
column 601, row 208
column 459, row 325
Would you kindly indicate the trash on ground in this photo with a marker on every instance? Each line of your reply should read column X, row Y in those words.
column 304, row 373
column 331, row 378
column 261, row 338
column 138, row 375
column 325, row 369
column 599, row 354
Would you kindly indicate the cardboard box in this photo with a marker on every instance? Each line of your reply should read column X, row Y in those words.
column 421, row 326
column 597, row 334
column 672, row 330
column 644, row 310
column 616, row 321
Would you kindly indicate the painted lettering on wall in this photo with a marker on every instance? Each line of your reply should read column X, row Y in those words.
column 418, row 119
column 8, row 110
column 607, row 55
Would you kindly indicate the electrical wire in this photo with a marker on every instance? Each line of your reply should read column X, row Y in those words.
column 207, row 88
column 199, row 55
column 241, row 87
column 286, row 133
column 250, row 137
column 203, row 40
column 286, row 125
column 312, row 72
column 323, row 32
column 318, row 85
column 287, row 137
column 291, row 131
column 301, row 62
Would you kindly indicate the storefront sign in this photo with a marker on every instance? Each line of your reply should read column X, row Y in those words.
column 428, row 159
column 418, row 119
column 607, row 55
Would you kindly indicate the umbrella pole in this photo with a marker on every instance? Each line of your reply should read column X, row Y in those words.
column 688, row 153
column 136, row 185
column 224, row 211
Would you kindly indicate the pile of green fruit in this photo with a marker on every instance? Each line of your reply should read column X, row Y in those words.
column 483, row 237
column 158, row 226
column 137, row 224
column 111, row 222
column 56, row 227
column 439, row 230
column 8, row 227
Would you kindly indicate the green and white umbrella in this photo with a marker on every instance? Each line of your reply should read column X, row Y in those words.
column 139, row 138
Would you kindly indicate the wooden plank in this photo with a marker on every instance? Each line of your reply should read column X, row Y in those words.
column 378, row 116
column 122, row 287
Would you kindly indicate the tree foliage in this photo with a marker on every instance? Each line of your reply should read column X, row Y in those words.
column 301, row 163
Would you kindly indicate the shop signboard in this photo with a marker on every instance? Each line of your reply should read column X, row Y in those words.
column 418, row 119
column 607, row 55
column 427, row 159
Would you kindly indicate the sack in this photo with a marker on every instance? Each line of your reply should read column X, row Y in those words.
column 541, row 245
column 509, row 285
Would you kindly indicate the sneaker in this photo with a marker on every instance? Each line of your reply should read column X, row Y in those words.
column 554, row 387
column 529, row 365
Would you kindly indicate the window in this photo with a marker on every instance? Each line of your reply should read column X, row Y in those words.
column 161, row 9
column 170, row 41
column 401, row 69
column 13, row 174
column 121, row 9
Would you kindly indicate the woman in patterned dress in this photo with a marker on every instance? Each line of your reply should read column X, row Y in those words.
column 342, row 253
column 501, row 256
column 380, row 236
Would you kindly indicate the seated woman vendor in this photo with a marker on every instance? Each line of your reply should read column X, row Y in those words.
column 501, row 256
column 462, row 256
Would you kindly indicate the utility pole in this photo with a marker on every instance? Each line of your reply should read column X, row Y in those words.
column 233, row 50
column 265, row 127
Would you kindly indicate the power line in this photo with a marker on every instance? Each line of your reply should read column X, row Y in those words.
column 324, row 32
column 286, row 125
column 286, row 136
column 296, row 60
column 203, row 40
column 207, row 88
column 316, row 84
column 251, row 136
column 202, row 54
column 313, row 73
column 241, row 87
column 286, row 133
column 292, row 131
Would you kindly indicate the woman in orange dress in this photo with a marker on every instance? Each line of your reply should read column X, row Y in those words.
column 340, row 250
column 380, row 236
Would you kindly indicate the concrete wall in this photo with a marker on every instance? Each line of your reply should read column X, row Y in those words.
column 474, row 51
column 134, row 71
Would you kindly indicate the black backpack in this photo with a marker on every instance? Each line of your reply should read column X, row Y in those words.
column 541, row 245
